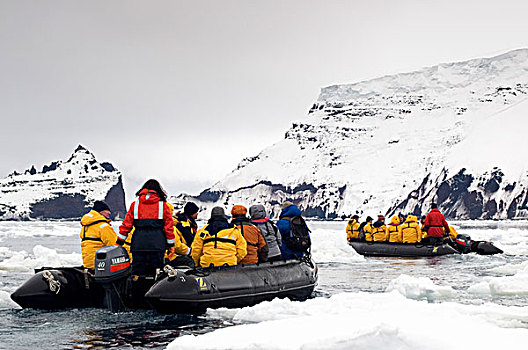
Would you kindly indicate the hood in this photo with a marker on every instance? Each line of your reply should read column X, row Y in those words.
column 410, row 218
column 290, row 211
column 148, row 196
column 240, row 219
column 92, row 217
column 395, row 221
column 378, row 224
column 257, row 211
column 217, row 224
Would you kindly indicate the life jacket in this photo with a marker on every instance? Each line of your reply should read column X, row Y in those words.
column 257, row 249
column 352, row 229
column 379, row 233
column 96, row 232
column 393, row 233
column 411, row 232
column 218, row 243
column 186, row 227
column 152, row 221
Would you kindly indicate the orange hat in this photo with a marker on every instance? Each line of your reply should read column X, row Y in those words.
column 238, row 210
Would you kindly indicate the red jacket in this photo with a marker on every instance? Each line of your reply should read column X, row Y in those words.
column 148, row 206
column 434, row 222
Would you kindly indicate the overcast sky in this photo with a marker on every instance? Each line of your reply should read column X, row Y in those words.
column 183, row 90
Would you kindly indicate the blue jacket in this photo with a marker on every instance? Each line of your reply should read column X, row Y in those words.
column 284, row 229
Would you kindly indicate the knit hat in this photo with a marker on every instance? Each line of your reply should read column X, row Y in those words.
column 286, row 204
column 190, row 209
column 381, row 217
column 218, row 212
column 99, row 206
column 238, row 210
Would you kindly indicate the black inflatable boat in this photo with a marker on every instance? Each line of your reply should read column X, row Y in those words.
column 174, row 290
column 401, row 249
column 234, row 286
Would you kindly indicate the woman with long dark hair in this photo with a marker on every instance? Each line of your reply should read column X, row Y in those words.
column 151, row 218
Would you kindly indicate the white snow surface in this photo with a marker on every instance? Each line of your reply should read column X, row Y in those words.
column 81, row 174
column 364, row 147
column 364, row 321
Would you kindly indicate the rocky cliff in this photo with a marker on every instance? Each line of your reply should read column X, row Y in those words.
column 62, row 190
column 451, row 133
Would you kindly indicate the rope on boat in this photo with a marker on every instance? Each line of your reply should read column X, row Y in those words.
column 170, row 271
column 54, row 285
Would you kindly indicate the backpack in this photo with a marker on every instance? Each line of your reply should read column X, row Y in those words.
column 299, row 240
column 361, row 234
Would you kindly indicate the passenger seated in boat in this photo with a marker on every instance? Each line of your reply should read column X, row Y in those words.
column 294, row 231
column 436, row 226
column 269, row 231
column 379, row 230
column 218, row 242
column 180, row 255
column 352, row 229
column 257, row 248
column 394, row 230
column 96, row 233
column 365, row 230
column 410, row 230
column 452, row 232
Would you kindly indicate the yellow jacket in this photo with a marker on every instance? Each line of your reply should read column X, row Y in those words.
column 394, row 230
column 452, row 232
column 410, row 230
column 352, row 229
column 96, row 233
column 379, row 233
column 226, row 247
column 367, row 230
column 180, row 246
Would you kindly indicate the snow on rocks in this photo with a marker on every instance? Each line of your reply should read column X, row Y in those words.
column 387, row 123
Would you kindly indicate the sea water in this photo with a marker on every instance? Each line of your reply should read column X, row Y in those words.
column 450, row 302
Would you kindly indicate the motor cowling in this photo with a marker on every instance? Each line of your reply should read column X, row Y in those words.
column 463, row 243
column 111, row 263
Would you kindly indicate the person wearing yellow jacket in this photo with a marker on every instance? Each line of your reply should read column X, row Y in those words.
column 219, row 242
column 181, row 253
column 352, row 228
column 96, row 233
column 366, row 229
column 394, row 230
column 452, row 232
column 410, row 230
column 379, row 230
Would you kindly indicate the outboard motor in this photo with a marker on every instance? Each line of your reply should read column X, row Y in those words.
column 112, row 268
column 463, row 243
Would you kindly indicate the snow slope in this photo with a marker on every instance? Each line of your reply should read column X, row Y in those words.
column 62, row 189
column 388, row 145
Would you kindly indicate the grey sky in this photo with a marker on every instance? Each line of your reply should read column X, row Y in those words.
column 183, row 90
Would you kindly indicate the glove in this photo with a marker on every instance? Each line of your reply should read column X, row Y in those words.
column 120, row 242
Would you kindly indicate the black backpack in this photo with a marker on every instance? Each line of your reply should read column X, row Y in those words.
column 299, row 240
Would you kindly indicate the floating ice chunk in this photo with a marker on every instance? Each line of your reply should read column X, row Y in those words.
column 509, row 285
column 331, row 246
column 42, row 256
column 364, row 321
column 419, row 288
column 6, row 302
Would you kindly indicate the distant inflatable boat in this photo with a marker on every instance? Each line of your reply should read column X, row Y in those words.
column 401, row 249
column 175, row 290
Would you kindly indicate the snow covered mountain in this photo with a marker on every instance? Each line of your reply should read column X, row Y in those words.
column 452, row 133
column 62, row 190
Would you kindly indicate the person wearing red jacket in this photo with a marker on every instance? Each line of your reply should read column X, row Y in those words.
column 434, row 225
column 151, row 218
